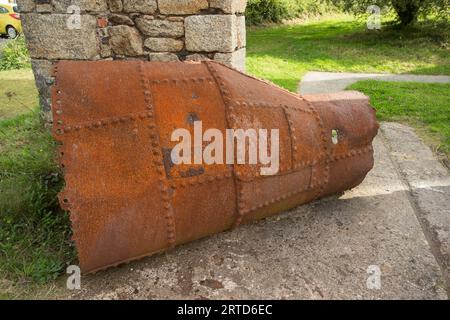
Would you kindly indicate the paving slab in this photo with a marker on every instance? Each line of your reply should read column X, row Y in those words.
column 328, row 82
column 429, row 182
column 330, row 249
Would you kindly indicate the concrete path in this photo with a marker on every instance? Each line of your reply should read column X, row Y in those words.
column 395, row 226
column 327, row 82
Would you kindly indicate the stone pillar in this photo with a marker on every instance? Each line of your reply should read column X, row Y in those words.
column 155, row 30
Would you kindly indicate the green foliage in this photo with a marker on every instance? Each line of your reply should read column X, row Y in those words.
column 14, row 55
column 407, row 11
column 260, row 11
column 34, row 231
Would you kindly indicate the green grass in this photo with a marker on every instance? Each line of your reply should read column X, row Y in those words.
column 423, row 105
column 34, row 231
column 283, row 54
column 18, row 93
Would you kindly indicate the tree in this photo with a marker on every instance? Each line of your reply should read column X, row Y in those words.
column 407, row 10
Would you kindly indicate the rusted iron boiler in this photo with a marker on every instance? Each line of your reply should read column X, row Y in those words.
column 129, row 198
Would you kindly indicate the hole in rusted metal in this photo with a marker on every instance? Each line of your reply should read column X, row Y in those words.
column 334, row 136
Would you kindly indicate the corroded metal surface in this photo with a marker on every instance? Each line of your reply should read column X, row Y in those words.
column 114, row 121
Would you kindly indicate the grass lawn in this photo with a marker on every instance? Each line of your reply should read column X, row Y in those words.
column 34, row 232
column 423, row 105
column 283, row 54
column 18, row 94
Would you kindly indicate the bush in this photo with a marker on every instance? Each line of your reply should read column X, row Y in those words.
column 15, row 55
column 260, row 11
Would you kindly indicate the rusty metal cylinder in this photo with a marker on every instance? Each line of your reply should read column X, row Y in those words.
column 127, row 199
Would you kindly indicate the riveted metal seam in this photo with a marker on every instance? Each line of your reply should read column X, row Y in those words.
column 292, row 137
column 104, row 122
column 327, row 150
column 252, row 104
column 240, row 201
column 204, row 179
column 156, row 146
column 64, row 197
column 277, row 199
column 57, row 108
column 175, row 81
column 352, row 154
column 313, row 162
column 57, row 133
column 260, row 80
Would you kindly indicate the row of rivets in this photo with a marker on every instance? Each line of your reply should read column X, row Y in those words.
column 326, row 150
column 277, row 199
column 352, row 153
column 182, row 81
column 315, row 182
column 183, row 183
column 292, row 135
column 249, row 104
column 259, row 80
column 60, row 131
column 241, row 205
column 158, row 162
column 230, row 119
column 298, row 109
column 65, row 201
column 321, row 183
column 102, row 123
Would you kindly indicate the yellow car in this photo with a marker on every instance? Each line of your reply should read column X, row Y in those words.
column 10, row 20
